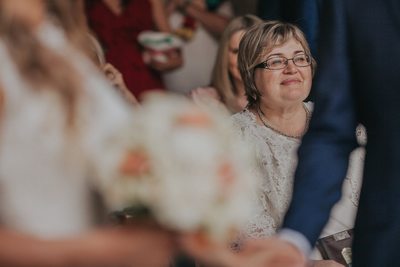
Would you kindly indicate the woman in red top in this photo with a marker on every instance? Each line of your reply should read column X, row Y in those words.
column 117, row 24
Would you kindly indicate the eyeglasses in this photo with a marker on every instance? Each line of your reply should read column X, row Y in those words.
column 280, row 62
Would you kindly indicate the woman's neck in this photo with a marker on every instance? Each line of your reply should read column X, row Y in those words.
column 292, row 120
column 280, row 112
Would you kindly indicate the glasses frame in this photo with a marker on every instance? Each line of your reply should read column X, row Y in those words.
column 263, row 65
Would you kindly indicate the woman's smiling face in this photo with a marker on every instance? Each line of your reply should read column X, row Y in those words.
column 288, row 85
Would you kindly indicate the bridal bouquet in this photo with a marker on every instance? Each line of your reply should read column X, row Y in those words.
column 191, row 171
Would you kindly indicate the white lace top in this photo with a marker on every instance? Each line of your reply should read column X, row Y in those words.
column 276, row 161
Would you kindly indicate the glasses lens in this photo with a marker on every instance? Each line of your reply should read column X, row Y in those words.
column 302, row 60
column 276, row 63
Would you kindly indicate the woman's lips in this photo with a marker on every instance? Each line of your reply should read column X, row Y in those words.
column 290, row 81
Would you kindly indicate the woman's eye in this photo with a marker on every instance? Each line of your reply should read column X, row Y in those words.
column 300, row 59
column 275, row 62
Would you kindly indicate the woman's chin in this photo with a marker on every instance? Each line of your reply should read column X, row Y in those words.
column 296, row 94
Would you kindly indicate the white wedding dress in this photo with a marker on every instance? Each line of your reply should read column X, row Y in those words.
column 44, row 167
column 276, row 156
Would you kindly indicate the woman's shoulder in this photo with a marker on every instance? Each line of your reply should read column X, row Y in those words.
column 243, row 117
column 244, row 121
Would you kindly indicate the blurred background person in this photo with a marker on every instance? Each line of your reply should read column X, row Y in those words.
column 227, row 85
column 201, row 23
column 71, row 18
column 96, row 54
column 60, row 125
column 117, row 24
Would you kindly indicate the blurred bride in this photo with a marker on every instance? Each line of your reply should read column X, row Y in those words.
column 60, row 124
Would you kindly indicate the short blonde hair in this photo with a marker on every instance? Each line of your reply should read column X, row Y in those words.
column 222, row 80
column 259, row 40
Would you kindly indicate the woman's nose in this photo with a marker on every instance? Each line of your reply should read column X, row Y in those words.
column 290, row 67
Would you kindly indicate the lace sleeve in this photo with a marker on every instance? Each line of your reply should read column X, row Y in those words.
column 356, row 165
column 262, row 223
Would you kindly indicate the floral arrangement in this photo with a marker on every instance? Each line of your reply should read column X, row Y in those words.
column 191, row 169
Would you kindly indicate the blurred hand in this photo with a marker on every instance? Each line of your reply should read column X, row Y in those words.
column 325, row 263
column 117, row 80
column 271, row 252
column 201, row 93
column 113, row 75
column 142, row 246
column 206, row 96
column 208, row 251
column 173, row 61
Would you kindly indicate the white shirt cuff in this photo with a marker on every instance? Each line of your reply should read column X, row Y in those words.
column 297, row 239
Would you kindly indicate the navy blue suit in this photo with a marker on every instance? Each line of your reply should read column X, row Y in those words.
column 358, row 80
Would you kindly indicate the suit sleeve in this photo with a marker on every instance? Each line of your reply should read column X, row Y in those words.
column 324, row 153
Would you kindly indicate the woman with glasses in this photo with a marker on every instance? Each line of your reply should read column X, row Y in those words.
column 277, row 70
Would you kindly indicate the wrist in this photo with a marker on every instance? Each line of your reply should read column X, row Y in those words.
column 297, row 239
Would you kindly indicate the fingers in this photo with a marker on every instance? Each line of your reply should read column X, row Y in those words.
column 270, row 252
column 206, row 250
column 111, row 72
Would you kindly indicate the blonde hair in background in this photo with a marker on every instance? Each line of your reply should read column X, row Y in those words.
column 259, row 41
column 221, row 78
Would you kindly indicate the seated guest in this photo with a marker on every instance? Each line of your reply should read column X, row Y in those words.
column 226, row 84
column 277, row 69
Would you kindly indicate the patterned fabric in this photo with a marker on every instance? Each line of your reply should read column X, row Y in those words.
column 276, row 163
